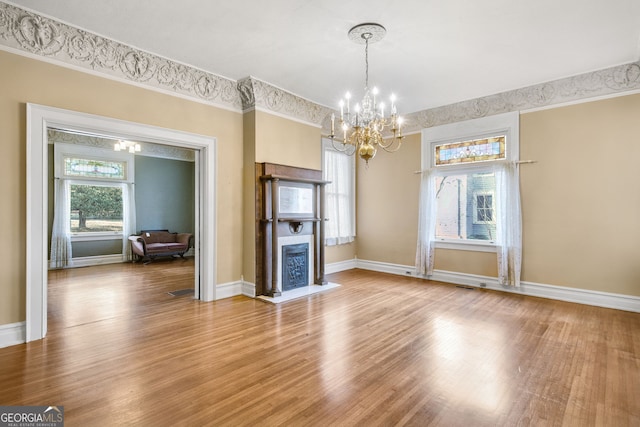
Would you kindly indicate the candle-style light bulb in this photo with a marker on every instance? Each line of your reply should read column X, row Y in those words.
column 341, row 109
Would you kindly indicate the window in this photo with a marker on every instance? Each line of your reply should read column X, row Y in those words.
column 98, row 203
column 339, row 168
column 464, row 160
column 483, row 208
column 96, row 208
column 465, row 207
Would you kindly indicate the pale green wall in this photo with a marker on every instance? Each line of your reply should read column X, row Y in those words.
column 165, row 194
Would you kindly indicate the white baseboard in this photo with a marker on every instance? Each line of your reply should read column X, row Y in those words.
column 228, row 290
column 12, row 334
column 88, row 261
column 581, row 296
column 232, row 289
column 249, row 289
column 335, row 267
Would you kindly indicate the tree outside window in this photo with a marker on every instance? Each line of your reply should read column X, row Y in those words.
column 96, row 208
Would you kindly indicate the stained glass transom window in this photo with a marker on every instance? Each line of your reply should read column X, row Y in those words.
column 94, row 168
column 477, row 150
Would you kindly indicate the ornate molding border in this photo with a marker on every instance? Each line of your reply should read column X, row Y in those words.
column 148, row 149
column 623, row 78
column 38, row 35
column 29, row 32
column 255, row 93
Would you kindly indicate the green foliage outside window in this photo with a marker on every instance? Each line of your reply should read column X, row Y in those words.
column 96, row 208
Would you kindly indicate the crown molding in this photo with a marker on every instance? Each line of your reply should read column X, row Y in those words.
column 54, row 41
column 584, row 87
column 260, row 95
column 38, row 35
column 148, row 149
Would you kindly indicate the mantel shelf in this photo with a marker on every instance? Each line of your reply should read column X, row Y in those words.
column 268, row 220
column 291, row 179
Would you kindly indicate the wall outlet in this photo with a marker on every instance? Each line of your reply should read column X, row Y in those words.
column 483, row 285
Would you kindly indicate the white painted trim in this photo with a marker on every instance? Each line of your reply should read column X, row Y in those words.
column 335, row 267
column 88, row 261
column 249, row 289
column 232, row 289
column 94, row 237
column 468, row 245
column 228, row 290
column 12, row 334
column 561, row 293
column 39, row 118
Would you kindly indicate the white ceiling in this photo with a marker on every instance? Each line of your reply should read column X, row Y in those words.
column 435, row 53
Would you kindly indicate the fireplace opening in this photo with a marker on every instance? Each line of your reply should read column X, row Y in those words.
column 295, row 266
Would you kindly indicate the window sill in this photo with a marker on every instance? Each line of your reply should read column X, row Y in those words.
column 466, row 245
column 92, row 237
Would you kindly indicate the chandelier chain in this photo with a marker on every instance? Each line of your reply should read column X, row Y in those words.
column 366, row 63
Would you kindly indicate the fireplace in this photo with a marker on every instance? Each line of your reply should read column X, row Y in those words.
column 295, row 266
column 289, row 229
column 295, row 263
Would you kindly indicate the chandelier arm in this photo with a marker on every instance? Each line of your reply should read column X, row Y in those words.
column 389, row 147
column 347, row 148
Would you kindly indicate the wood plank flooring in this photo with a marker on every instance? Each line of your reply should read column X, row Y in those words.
column 381, row 350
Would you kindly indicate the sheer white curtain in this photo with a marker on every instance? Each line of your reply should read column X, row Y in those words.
column 338, row 168
column 128, row 218
column 508, row 224
column 426, row 224
column 60, row 255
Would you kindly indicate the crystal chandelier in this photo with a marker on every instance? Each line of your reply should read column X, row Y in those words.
column 362, row 126
column 122, row 145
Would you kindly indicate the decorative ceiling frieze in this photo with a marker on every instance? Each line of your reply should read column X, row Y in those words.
column 148, row 149
column 255, row 93
column 610, row 81
column 37, row 35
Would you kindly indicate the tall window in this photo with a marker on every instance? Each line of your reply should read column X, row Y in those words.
column 339, row 168
column 469, row 194
column 93, row 199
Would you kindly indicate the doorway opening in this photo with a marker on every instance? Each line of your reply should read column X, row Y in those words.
column 42, row 118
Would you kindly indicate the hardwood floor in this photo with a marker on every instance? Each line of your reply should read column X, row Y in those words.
column 379, row 350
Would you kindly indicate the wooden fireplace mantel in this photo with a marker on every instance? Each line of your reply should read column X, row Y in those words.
column 272, row 224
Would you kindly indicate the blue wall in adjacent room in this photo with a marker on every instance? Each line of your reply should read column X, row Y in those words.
column 165, row 194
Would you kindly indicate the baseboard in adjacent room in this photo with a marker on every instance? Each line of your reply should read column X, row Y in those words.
column 89, row 261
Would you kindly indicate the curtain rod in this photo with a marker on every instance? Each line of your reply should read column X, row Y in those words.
column 518, row 162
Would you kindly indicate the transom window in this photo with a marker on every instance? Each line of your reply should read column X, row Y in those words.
column 472, row 151
column 88, row 168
